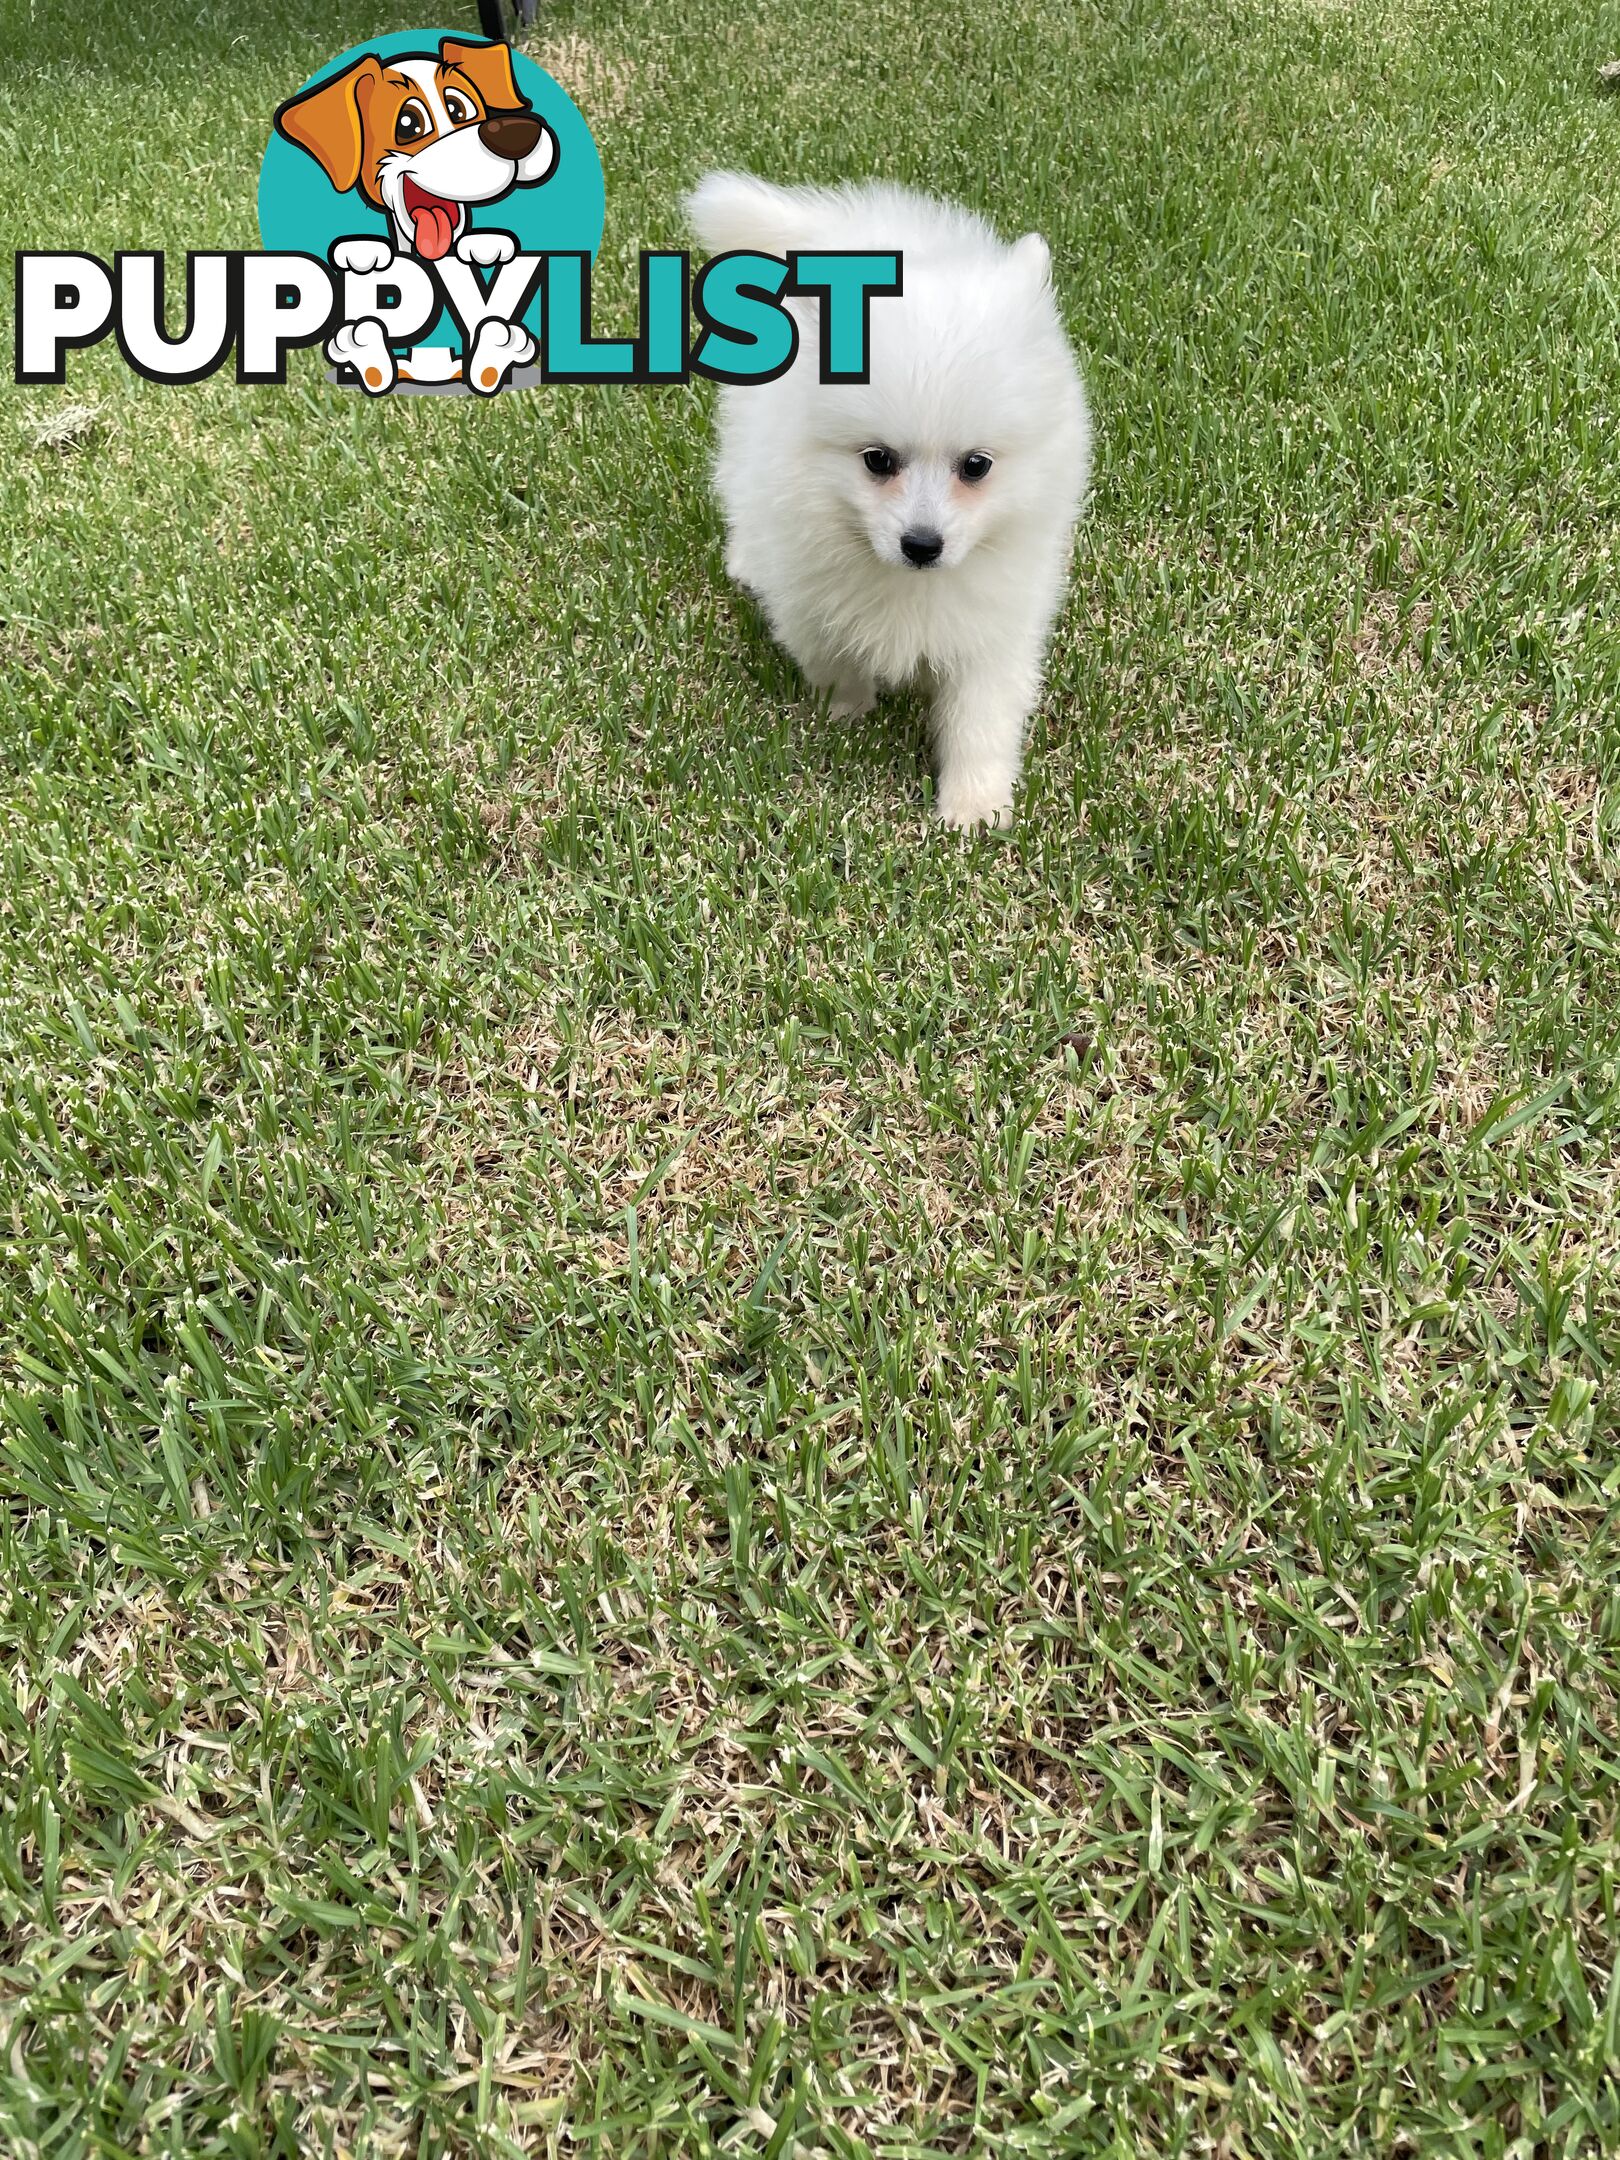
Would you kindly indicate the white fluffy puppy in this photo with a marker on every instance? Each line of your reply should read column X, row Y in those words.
column 916, row 526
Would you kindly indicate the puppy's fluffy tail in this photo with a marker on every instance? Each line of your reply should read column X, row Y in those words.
column 729, row 210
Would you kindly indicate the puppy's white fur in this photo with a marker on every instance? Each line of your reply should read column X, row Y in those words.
column 971, row 357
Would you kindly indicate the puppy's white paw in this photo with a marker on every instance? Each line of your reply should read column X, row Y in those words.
column 486, row 249
column 498, row 348
column 364, row 347
column 851, row 701
column 968, row 799
column 363, row 256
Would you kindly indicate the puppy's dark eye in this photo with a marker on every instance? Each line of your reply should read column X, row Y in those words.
column 880, row 463
column 461, row 109
column 974, row 466
column 413, row 122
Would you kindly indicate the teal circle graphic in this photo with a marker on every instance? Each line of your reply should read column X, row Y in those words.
column 301, row 212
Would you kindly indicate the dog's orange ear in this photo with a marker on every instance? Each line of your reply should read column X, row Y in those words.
column 489, row 69
column 327, row 120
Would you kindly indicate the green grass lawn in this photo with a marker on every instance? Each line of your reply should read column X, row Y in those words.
column 687, row 1467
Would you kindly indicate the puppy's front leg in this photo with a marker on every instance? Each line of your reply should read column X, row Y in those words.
column 849, row 692
column 979, row 716
column 851, row 697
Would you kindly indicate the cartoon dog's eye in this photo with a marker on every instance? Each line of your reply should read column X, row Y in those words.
column 880, row 463
column 974, row 466
column 461, row 109
column 413, row 122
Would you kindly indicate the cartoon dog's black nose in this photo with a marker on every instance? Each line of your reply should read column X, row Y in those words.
column 921, row 548
column 509, row 134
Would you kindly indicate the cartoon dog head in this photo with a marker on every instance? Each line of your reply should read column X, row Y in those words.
column 423, row 136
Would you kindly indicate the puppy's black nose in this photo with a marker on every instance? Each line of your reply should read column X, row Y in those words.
column 509, row 134
column 921, row 548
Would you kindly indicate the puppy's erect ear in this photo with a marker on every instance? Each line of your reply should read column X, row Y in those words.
column 489, row 69
column 327, row 120
column 1032, row 254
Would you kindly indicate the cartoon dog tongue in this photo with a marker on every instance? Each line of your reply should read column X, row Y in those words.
column 433, row 220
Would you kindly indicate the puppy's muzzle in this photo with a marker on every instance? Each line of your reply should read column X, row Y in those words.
column 510, row 135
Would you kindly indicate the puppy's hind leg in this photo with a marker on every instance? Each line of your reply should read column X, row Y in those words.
column 979, row 717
